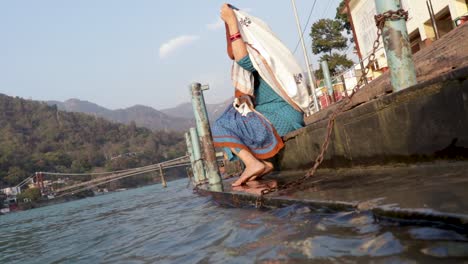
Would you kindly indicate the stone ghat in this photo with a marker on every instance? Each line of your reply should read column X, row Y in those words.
column 426, row 122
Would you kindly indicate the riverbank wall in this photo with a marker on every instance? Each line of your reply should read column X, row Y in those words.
column 426, row 122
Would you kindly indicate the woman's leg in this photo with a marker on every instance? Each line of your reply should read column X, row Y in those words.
column 253, row 166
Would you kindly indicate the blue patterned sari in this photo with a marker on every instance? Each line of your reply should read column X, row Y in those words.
column 259, row 133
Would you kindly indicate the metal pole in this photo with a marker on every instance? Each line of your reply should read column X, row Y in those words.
column 204, row 133
column 306, row 57
column 198, row 167
column 188, row 141
column 163, row 181
column 397, row 47
column 433, row 20
column 328, row 82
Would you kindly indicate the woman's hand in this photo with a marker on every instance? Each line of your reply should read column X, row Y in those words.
column 227, row 15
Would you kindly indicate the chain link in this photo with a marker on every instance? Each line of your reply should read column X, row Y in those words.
column 380, row 20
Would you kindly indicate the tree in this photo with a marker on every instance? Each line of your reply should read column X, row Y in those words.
column 32, row 140
column 337, row 62
column 343, row 18
column 326, row 36
column 15, row 175
column 33, row 194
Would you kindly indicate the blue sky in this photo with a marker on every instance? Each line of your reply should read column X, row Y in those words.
column 120, row 53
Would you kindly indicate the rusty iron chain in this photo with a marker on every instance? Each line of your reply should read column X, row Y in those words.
column 380, row 20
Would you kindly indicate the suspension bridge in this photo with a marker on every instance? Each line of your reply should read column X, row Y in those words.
column 100, row 178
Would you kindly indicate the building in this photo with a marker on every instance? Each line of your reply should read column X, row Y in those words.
column 11, row 191
column 420, row 27
column 423, row 29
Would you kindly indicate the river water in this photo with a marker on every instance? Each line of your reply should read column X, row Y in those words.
column 173, row 225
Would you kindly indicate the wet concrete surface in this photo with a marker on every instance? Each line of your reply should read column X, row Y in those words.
column 440, row 186
column 432, row 191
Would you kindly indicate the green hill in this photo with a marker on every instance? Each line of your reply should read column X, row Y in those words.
column 37, row 137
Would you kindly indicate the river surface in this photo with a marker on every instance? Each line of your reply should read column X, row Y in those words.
column 173, row 225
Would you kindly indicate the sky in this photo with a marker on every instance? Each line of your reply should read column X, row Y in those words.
column 119, row 53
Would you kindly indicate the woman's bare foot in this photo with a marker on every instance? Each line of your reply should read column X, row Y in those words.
column 254, row 184
column 254, row 169
column 255, row 187
column 246, row 189
column 262, row 184
column 268, row 168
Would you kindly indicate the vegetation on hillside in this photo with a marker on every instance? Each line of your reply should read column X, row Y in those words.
column 37, row 137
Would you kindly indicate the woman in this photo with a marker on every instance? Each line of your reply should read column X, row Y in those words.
column 253, row 126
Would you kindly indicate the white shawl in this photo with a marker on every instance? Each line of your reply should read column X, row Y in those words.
column 273, row 61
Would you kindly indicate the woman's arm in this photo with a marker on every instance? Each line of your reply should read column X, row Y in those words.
column 236, row 49
column 228, row 42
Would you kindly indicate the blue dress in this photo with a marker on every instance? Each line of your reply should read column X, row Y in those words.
column 252, row 132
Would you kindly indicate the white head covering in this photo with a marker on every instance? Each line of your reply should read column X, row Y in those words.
column 273, row 61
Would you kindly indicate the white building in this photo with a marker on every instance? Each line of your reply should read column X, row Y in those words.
column 420, row 29
column 11, row 191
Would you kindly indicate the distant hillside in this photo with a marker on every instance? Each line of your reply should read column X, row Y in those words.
column 186, row 110
column 179, row 118
column 37, row 137
column 143, row 116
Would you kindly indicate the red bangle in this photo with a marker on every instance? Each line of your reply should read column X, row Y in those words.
column 235, row 37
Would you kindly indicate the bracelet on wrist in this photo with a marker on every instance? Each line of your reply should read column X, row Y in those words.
column 235, row 36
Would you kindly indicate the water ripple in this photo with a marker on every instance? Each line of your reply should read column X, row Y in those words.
column 173, row 225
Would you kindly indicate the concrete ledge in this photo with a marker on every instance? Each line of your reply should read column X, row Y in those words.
column 428, row 121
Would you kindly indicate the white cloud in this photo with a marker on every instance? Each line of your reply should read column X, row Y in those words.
column 176, row 43
column 218, row 24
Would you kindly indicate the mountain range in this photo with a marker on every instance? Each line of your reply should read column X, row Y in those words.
column 179, row 118
column 35, row 136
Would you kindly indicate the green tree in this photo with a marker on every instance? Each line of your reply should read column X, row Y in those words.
column 327, row 39
column 343, row 17
column 32, row 194
column 15, row 175
column 336, row 62
column 326, row 36
column 37, row 137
